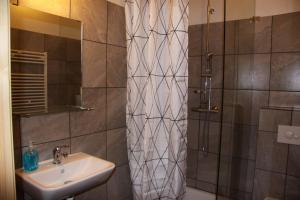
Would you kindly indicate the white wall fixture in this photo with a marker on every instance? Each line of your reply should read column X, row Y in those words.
column 288, row 134
column 79, row 172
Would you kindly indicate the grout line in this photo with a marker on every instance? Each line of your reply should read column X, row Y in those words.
column 115, row 45
column 47, row 142
column 88, row 134
column 106, row 90
column 203, row 181
column 70, row 134
column 270, row 171
column 250, row 53
column 94, row 41
column 104, row 87
column 287, row 163
column 286, row 173
column 270, row 69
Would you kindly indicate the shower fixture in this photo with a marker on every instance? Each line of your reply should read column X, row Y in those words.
column 206, row 106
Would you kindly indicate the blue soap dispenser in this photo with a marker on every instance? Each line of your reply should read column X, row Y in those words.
column 30, row 159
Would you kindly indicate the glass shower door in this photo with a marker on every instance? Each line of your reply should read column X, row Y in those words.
column 241, row 103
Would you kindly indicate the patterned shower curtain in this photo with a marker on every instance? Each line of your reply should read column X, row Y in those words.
column 157, row 40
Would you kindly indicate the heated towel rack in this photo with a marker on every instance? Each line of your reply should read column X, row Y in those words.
column 29, row 89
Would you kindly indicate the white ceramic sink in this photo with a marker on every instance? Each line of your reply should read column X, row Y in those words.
column 76, row 174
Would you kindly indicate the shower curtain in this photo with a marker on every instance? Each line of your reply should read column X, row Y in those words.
column 157, row 68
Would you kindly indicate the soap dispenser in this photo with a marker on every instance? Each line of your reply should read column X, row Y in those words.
column 30, row 159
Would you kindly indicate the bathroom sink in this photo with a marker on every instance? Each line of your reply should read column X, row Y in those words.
column 77, row 173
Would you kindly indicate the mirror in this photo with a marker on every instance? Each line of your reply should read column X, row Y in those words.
column 45, row 61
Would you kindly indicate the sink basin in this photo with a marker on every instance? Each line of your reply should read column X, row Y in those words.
column 76, row 174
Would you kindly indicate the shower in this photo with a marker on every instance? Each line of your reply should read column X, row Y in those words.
column 206, row 107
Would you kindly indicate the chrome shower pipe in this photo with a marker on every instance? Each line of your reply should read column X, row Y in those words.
column 207, row 84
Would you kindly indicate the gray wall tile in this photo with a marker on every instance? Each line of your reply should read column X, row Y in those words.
column 245, row 70
column 231, row 71
column 271, row 155
column 73, row 50
column 91, row 121
column 116, row 66
column 285, row 32
column 285, row 72
column 116, row 108
column 56, row 72
column 30, row 41
column 44, row 128
column 229, row 113
column 227, row 141
column 116, row 25
column 195, row 40
column 191, row 183
column 236, row 194
column 119, row 185
column 269, row 119
column 56, row 47
column 254, row 71
column 207, row 166
column 244, row 141
column 192, row 161
column 231, row 37
column 294, row 161
column 94, row 64
column 14, row 38
column 208, row 187
column 296, row 118
column 242, row 179
column 268, row 184
column 95, row 193
column 246, row 36
column 292, row 188
column 194, row 71
column 93, row 144
column 117, row 146
column 215, row 38
column 263, row 35
column 249, row 103
column 16, row 123
column 284, row 99
column 261, row 72
column 93, row 14
column 254, row 37
column 18, row 153
column 193, row 134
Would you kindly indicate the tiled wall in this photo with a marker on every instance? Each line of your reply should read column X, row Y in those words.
column 100, row 132
column 262, row 68
column 277, row 165
column 202, row 168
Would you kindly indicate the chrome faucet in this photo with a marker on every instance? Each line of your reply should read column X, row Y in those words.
column 58, row 154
